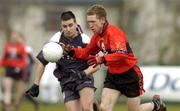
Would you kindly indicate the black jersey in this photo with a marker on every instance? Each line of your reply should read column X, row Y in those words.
column 66, row 63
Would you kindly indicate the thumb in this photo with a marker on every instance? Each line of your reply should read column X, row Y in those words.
column 62, row 45
column 95, row 65
column 67, row 46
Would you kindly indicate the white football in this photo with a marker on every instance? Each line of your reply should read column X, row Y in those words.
column 52, row 52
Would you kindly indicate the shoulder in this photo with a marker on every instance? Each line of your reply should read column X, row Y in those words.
column 115, row 30
column 116, row 33
column 22, row 45
column 85, row 38
column 55, row 37
column 29, row 49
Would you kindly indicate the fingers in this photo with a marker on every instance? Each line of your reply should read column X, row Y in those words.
column 66, row 48
column 91, row 60
column 33, row 91
column 62, row 44
column 91, row 69
column 29, row 93
column 96, row 67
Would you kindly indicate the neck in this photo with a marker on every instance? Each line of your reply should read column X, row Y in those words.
column 103, row 28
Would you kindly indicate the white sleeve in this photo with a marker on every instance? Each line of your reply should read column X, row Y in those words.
column 85, row 38
column 29, row 50
column 55, row 37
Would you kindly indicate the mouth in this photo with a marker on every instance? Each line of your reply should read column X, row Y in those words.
column 69, row 33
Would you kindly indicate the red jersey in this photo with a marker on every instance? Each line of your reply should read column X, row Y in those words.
column 14, row 55
column 115, row 47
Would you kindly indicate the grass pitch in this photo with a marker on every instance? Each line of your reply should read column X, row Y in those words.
column 27, row 106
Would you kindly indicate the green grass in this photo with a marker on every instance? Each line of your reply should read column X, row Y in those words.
column 27, row 106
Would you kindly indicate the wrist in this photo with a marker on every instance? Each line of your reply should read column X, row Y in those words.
column 35, row 84
column 100, row 60
column 86, row 72
column 71, row 53
column 103, row 60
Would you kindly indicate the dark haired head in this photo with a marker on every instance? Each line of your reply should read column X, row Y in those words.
column 67, row 15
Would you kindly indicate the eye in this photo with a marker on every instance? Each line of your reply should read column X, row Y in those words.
column 70, row 25
column 64, row 26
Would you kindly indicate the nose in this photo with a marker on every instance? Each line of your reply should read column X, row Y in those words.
column 68, row 28
column 90, row 25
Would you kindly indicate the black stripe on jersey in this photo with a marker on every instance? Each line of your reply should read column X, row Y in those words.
column 41, row 58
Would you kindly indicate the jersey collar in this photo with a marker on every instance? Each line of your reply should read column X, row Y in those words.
column 104, row 29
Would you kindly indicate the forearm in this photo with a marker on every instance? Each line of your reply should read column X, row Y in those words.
column 115, row 57
column 80, row 53
column 39, row 72
column 83, row 53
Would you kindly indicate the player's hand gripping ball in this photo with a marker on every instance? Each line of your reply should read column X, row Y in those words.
column 52, row 52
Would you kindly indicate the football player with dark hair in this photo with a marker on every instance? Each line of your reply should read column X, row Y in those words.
column 77, row 88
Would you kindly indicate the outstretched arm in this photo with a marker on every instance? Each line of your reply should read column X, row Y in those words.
column 39, row 72
column 34, row 90
column 81, row 53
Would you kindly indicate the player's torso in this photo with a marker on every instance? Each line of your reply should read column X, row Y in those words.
column 13, row 51
column 68, row 62
column 114, row 41
column 108, row 40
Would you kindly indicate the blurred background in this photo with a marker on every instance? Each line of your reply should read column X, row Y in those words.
column 152, row 27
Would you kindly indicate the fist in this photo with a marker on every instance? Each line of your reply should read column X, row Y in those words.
column 67, row 49
column 95, row 60
column 33, row 91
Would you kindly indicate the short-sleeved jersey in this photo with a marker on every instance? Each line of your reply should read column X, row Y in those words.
column 66, row 63
column 114, row 44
